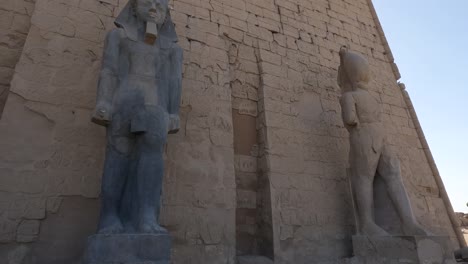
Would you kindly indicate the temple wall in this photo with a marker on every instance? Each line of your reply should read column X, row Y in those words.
column 463, row 221
column 15, row 16
column 308, row 145
column 261, row 156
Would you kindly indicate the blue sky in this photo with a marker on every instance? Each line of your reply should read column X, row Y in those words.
column 429, row 40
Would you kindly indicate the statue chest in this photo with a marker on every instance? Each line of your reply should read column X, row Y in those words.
column 368, row 108
column 143, row 59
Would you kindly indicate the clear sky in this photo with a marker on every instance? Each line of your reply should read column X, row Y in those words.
column 429, row 40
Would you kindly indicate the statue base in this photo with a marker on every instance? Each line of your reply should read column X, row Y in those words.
column 128, row 249
column 402, row 249
column 253, row 260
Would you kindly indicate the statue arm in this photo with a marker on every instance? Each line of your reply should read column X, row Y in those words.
column 175, row 90
column 348, row 106
column 108, row 79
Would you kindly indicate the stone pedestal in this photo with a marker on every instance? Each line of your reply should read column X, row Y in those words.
column 461, row 254
column 128, row 249
column 253, row 260
column 402, row 249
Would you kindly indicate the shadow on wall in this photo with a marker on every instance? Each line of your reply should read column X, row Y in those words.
column 62, row 236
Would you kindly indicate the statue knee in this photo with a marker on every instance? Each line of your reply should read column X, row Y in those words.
column 152, row 141
column 393, row 167
column 362, row 180
column 122, row 145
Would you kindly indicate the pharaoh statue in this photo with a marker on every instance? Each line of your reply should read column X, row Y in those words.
column 138, row 101
column 370, row 153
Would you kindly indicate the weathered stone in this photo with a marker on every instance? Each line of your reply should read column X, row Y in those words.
column 28, row 231
column 138, row 101
column 53, row 204
column 370, row 154
column 8, row 230
column 128, row 249
column 403, row 249
column 19, row 255
column 463, row 218
column 254, row 260
column 138, row 107
column 461, row 254
column 284, row 119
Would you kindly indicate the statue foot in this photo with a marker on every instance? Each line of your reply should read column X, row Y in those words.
column 110, row 225
column 371, row 229
column 415, row 229
column 153, row 228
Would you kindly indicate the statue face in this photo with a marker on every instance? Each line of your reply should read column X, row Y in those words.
column 354, row 70
column 152, row 10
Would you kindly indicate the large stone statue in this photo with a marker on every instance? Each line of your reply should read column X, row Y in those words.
column 138, row 101
column 371, row 158
column 370, row 154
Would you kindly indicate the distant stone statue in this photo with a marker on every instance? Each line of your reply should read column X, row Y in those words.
column 370, row 153
column 138, row 100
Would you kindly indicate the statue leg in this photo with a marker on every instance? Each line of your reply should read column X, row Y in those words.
column 113, row 182
column 389, row 169
column 150, row 173
column 363, row 168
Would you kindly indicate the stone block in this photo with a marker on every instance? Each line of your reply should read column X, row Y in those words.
column 18, row 255
column 8, row 230
column 6, row 19
column 9, row 56
column 253, row 260
column 28, row 231
column 128, row 249
column 402, row 249
column 21, row 23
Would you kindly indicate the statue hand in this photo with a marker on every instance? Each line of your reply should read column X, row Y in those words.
column 102, row 114
column 174, row 124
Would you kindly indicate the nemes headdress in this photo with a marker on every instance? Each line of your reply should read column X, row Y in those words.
column 127, row 20
column 355, row 66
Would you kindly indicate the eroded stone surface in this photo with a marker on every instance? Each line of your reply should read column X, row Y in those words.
column 370, row 156
column 128, row 249
column 403, row 249
column 461, row 255
column 138, row 102
column 14, row 27
column 254, row 260
column 304, row 143
column 463, row 221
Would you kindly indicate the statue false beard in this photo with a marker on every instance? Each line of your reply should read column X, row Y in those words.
column 151, row 33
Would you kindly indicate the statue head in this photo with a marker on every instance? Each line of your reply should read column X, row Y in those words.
column 151, row 12
column 354, row 70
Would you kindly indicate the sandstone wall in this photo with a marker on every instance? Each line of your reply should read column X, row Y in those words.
column 463, row 221
column 15, row 16
column 262, row 154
